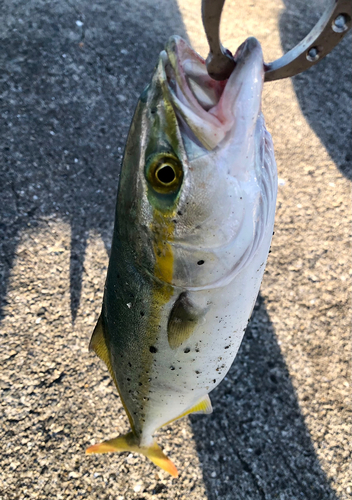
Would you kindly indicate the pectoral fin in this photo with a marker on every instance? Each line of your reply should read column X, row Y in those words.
column 129, row 442
column 183, row 319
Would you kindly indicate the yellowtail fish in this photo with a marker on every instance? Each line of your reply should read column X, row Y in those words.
column 194, row 221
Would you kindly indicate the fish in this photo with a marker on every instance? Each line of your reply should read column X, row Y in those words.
column 193, row 227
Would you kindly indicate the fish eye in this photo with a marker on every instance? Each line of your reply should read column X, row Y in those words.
column 164, row 173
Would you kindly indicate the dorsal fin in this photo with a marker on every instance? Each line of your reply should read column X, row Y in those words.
column 98, row 345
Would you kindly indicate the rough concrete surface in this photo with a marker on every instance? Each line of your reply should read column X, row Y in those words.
column 71, row 72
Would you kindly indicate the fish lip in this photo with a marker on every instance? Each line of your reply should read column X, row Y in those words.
column 206, row 107
column 246, row 49
column 183, row 59
column 179, row 48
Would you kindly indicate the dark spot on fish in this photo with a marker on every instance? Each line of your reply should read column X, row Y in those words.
column 153, row 111
column 141, row 313
column 174, row 221
column 129, row 364
column 128, row 380
column 226, row 347
column 240, row 197
column 197, row 372
column 197, row 350
column 179, row 213
column 200, row 262
column 187, row 350
column 214, row 380
column 140, row 384
column 172, row 367
column 153, row 349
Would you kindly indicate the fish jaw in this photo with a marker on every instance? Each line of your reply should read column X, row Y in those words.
column 208, row 109
column 240, row 102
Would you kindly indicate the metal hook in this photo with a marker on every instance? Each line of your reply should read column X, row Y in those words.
column 326, row 34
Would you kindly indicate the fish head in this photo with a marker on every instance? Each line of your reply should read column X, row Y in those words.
column 190, row 192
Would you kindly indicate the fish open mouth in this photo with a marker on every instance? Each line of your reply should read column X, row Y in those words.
column 205, row 107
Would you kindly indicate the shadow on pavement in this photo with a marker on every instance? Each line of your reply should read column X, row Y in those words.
column 70, row 79
column 324, row 92
column 256, row 443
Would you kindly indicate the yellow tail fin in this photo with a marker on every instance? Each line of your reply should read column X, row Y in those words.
column 128, row 442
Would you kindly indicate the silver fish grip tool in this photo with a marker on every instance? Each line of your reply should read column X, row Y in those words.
column 326, row 34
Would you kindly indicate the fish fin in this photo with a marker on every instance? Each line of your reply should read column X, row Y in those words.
column 156, row 455
column 203, row 406
column 183, row 319
column 129, row 442
column 98, row 345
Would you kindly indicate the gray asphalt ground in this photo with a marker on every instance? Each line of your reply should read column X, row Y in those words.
column 70, row 76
